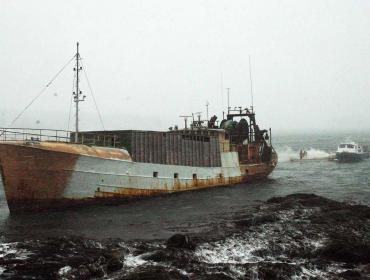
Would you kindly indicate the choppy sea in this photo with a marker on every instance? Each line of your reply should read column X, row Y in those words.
column 160, row 217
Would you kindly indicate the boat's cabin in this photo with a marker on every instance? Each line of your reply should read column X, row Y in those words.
column 350, row 147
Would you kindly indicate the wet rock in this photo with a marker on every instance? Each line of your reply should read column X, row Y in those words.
column 342, row 213
column 277, row 271
column 114, row 259
column 96, row 270
column 50, row 258
column 215, row 276
column 156, row 272
column 114, row 264
column 83, row 272
column 347, row 249
column 180, row 241
column 350, row 274
column 258, row 220
column 158, row 256
column 299, row 200
column 76, row 261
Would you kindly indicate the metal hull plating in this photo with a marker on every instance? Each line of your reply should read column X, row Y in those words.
column 37, row 178
column 349, row 157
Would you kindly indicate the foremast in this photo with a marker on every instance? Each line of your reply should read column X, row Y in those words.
column 77, row 95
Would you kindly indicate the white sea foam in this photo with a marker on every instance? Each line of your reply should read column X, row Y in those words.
column 262, row 245
column 310, row 273
column 317, row 154
column 64, row 270
column 133, row 261
column 7, row 248
column 11, row 248
column 288, row 154
column 2, row 269
column 232, row 250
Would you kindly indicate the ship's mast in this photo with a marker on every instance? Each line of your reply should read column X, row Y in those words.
column 77, row 94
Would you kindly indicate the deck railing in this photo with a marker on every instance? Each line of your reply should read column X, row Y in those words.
column 33, row 134
column 52, row 135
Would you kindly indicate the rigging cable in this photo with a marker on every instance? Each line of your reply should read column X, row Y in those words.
column 42, row 91
column 92, row 94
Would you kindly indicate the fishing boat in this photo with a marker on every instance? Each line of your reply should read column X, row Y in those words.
column 46, row 169
column 350, row 152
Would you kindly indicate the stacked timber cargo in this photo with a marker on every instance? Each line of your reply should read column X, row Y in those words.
column 181, row 147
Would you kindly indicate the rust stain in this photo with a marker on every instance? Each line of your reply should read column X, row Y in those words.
column 77, row 149
column 34, row 173
column 249, row 173
column 252, row 172
column 128, row 192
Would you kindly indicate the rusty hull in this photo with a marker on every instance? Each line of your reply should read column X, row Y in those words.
column 35, row 176
column 255, row 172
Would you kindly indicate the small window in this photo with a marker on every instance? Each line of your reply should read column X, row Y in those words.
column 246, row 171
column 194, row 176
column 176, row 175
column 350, row 146
column 155, row 174
column 342, row 145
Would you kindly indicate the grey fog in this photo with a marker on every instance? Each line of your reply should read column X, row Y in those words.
column 149, row 62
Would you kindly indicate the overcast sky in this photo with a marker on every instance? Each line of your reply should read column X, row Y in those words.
column 149, row 62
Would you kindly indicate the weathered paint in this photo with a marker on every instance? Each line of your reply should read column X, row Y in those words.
column 51, row 174
column 32, row 173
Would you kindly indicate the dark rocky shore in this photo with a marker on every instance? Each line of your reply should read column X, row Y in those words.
column 300, row 236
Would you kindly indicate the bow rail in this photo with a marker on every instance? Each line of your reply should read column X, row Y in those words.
column 103, row 139
column 34, row 134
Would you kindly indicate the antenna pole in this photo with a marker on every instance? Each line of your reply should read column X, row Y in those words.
column 77, row 94
column 251, row 81
column 228, row 100
column 186, row 121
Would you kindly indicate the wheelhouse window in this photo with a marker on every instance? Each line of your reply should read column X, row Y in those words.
column 350, row 146
column 342, row 146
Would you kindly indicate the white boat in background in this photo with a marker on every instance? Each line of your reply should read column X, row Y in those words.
column 350, row 152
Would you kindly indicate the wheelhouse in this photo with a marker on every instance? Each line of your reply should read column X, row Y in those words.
column 349, row 147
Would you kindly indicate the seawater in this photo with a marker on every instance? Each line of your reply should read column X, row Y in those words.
column 160, row 217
